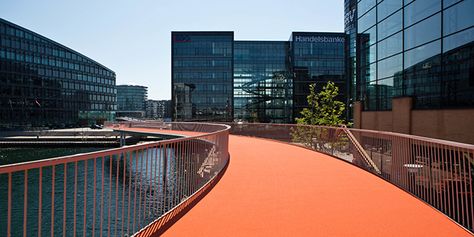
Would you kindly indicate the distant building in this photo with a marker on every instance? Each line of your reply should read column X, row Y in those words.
column 158, row 109
column 167, row 115
column 215, row 78
column 152, row 108
column 46, row 84
column 131, row 101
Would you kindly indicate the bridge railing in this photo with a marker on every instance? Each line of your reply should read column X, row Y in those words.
column 441, row 173
column 132, row 190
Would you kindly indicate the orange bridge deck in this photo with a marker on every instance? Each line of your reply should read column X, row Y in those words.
column 276, row 189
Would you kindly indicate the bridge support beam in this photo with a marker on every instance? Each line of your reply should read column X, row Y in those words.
column 122, row 139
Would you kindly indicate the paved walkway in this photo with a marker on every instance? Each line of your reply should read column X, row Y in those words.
column 275, row 189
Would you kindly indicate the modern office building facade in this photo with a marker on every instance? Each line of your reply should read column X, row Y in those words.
column 202, row 66
column 411, row 62
column 316, row 58
column 268, row 80
column 262, row 81
column 45, row 84
column 131, row 101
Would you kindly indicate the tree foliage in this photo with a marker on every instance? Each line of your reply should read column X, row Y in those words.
column 323, row 108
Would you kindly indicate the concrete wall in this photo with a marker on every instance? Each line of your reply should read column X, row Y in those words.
column 453, row 124
column 377, row 121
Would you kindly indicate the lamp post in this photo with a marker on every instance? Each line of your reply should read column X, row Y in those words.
column 412, row 169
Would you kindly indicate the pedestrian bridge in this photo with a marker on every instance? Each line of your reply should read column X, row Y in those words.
column 262, row 180
column 276, row 189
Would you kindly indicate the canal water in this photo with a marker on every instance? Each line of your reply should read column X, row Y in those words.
column 18, row 155
column 99, row 196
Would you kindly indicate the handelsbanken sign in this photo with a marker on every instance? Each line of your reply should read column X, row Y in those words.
column 319, row 39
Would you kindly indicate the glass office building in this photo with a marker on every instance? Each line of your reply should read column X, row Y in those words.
column 131, row 101
column 202, row 67
column 421, row 49
column 411, row 62
column 262, row 82
column 268, row 80
column 45, row 84
column 316, row 58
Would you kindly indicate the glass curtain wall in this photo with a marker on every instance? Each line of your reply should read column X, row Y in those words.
column 45, row 84
column 316, row 59
column 418, row 48
column 352, row 76
column 262, row 82
column 131, row 100
column 202, row 71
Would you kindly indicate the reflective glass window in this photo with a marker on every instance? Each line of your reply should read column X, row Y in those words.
column 368, row 55
column 457, row 40
column 447, row 3
column 370, row 96
column 363, row 6
column 390, row 46
column 385, row 93
column 423, row 32
column 422, row 53
column 420, row 9
column 387, row 7
column 389, row 67
column 366, row 21
column 458, row 17
column 372, row 53
column 369, row 37
column 386, row 82
column 368, row 72
column 390, row 25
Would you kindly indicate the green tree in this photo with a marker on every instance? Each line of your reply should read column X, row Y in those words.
column 323, row 108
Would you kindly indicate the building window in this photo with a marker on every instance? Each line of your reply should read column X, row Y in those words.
column 363, row 6
column 387, row 7
column 423, row 32
column 458, row 39
column 389, row 67
column 366, row 21
column 458, row 17
column 390, row 25
column 390, row 46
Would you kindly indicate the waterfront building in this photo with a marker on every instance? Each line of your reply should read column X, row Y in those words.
column 152, row 108
column 131, row 101
column 158, row 109
column 46, row 84
column 217, row 78
column 201, row 68
column 411, row 66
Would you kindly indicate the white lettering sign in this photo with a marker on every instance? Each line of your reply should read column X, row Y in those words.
column 319, row 39
column 349, row 17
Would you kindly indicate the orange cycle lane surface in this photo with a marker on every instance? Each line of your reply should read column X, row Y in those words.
column 275, row 189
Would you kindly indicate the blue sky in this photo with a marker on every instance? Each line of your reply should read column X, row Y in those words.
column 133, row 37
